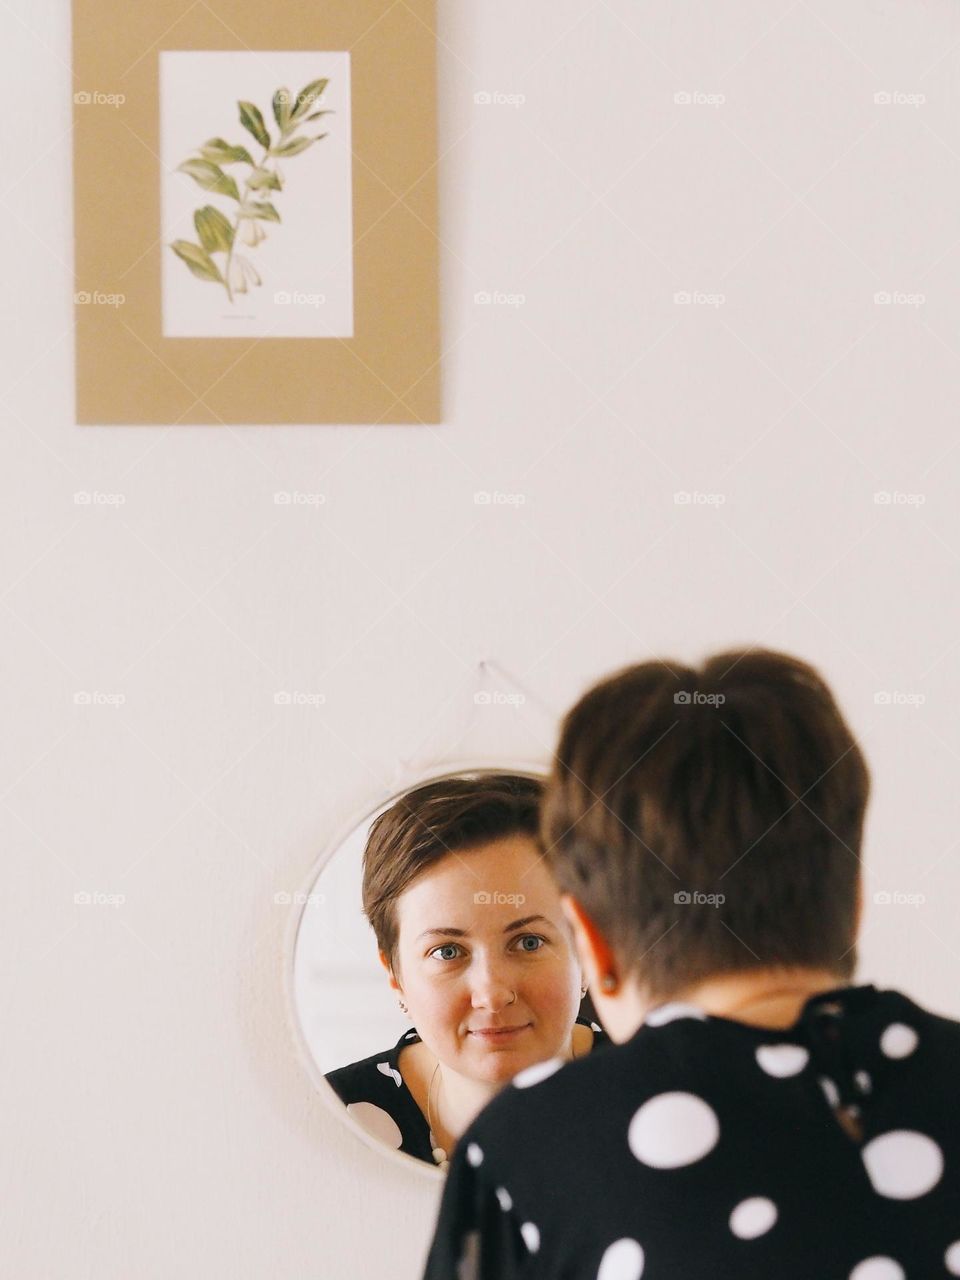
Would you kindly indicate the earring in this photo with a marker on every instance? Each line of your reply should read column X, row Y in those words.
column 404, row 1007
column 583, row 992
column 609, row 982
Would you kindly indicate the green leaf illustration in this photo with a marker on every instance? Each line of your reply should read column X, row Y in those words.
column 210, row 177
column 252, row 120
column 263, row 178
column 295, row 146
column 258, row 209
column 226, row 233
column 282, row 106
column 214, row 230
column 198, row 260
column 307, row 97
column 221, row 152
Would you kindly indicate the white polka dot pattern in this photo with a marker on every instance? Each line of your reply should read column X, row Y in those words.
column 878, row 1268
column 673, row 1129
column 899, row 1040
column 539, row 1071
column 385, row 1069
column 377, row 1122
column 753, row 1217
column 782, row 1059
column 531, row 1236
column 474, row 1155
column 623, row 1260
column 951, row 1259
column 903, row 1164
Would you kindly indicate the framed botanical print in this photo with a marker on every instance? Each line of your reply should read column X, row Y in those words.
column 255, row 213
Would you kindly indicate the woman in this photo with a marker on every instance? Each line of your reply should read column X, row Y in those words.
column 471, row 933
column 759, row 1115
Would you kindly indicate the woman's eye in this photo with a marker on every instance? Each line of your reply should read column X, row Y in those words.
column 532, row 937
column 447, row 946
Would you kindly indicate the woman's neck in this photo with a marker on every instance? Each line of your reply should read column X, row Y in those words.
column 772, row 999
column 455, row 1100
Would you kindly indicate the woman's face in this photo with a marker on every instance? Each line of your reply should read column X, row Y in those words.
column 467, row 965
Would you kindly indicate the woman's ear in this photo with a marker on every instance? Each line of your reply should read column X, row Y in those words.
column 382, row 956
column 595, row 954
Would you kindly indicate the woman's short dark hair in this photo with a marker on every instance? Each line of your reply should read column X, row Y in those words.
column 672, row 786
column 449, row 815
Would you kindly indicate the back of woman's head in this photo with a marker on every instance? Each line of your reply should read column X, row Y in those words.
column 449, row 815
column 710, row 820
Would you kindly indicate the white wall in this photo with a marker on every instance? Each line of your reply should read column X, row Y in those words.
column 156, row 1122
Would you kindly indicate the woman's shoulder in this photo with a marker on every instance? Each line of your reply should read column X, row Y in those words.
column 376, row 1075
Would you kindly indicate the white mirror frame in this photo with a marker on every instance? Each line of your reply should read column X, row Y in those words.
column 535, row 769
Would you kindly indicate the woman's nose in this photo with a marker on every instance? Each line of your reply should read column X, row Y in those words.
column 490, row 987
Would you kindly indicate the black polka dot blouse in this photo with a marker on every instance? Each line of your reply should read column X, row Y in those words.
column 377, row 1097
column 706, row 1149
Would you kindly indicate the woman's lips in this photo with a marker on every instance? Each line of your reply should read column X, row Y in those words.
column 496, row 1034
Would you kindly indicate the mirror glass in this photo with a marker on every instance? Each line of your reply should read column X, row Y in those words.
column 525, row 1007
